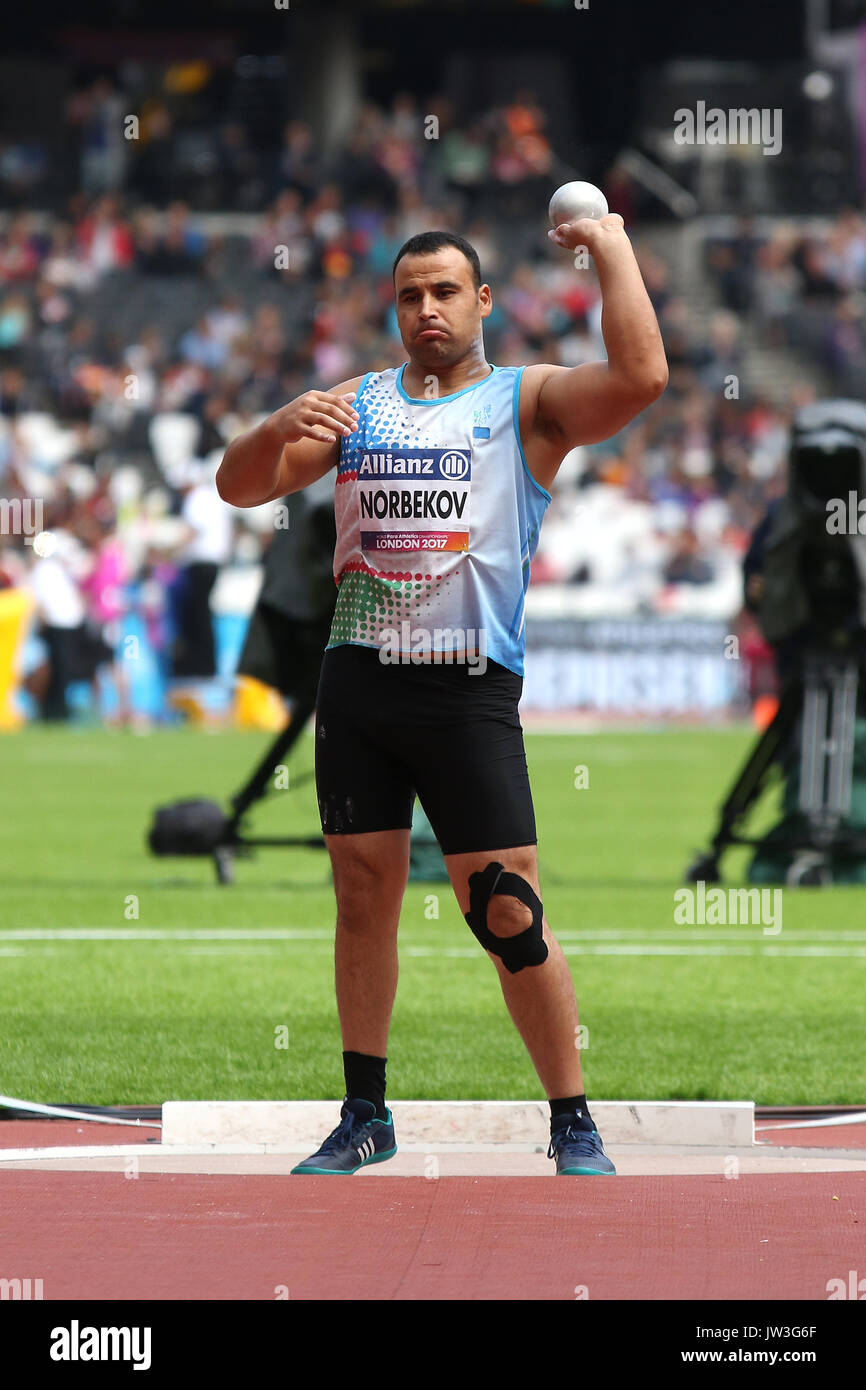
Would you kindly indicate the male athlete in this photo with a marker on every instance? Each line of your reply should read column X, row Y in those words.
column 444, row 467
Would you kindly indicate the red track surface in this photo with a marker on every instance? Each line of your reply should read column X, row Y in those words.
column 55, row 1134
column 163, row 1236
column 833, row 1137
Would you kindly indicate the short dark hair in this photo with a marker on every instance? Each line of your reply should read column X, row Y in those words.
column 424, row 243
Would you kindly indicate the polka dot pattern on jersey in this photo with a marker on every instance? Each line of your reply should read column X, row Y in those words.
column 369, row 603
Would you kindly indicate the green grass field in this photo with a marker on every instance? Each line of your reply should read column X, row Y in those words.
column 678, row 1012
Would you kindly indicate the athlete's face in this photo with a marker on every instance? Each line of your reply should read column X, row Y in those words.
column 439, row 310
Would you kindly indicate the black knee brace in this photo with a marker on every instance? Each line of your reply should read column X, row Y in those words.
column 527, row 947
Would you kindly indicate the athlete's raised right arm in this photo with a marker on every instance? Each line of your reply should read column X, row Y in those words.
column 292, row 448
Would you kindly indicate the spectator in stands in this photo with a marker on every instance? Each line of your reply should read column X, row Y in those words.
column 228, row 321
column 241, row 173
column 104, row 238
column 103, row 589
column 845, row 341
column 64, row 266
column 15, row 323
column 360, row 174
column 725, row 358
column 154, row 153
column 464, row 162
column 146, row 359
column 812, row 262
column 299, row 163
column 205, row 547
column 201, row 345
column 177, row 248
column 684, row 564
column 736, row 267
column 846, row 252
column 776, row 285
column 211, row 435
column 14, row 389
column 61, row 618
column 98, row 111
column 20, row 251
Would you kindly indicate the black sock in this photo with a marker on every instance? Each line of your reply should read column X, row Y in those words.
column 365, row 1079
column 568, row 1105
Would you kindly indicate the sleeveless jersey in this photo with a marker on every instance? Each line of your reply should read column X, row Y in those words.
column 437, row 520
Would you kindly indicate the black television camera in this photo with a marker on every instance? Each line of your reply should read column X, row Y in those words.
column 805, row 580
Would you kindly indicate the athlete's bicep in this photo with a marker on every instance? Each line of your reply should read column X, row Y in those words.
column 586, row 404
column 304, row 463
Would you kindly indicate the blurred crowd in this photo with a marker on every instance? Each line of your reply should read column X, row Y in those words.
column 801, row 288
column 223, row 140
column 138, row 336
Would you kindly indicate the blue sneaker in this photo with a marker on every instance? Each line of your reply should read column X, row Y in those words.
column 358, row 1139
column 577, row 1150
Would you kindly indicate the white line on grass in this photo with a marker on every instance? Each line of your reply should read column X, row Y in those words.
column 756, row 948
column 229, row 950
column 166, row 934
column 700, row 934
column 649, row 949
column 823, row 946
column 603, row 934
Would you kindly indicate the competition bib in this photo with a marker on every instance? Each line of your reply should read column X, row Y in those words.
column 414, row 500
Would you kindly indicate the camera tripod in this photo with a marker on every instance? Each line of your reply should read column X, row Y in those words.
column 820, row 699
column 203, row 829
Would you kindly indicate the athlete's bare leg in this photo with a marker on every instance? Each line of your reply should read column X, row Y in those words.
column 370, row 876
column 540, row 998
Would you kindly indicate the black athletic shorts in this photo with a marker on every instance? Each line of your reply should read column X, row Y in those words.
column 386, row 732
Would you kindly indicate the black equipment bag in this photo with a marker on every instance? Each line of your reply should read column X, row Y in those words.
column 189, row 827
